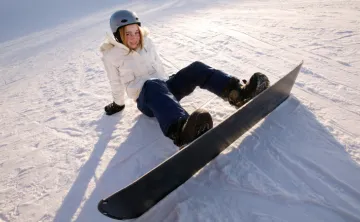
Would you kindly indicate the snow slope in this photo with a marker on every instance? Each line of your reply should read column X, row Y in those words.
column 60, row 154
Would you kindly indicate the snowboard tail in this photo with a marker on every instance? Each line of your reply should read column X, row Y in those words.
column 147, row 191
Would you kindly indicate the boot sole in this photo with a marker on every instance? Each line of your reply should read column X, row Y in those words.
column 197, row 124
column 264, row 84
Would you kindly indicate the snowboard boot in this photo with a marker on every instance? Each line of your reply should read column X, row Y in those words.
column 238, row 94
column 187, row 130
column 113, row 108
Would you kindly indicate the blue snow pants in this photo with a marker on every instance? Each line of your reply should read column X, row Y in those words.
column 160, row 99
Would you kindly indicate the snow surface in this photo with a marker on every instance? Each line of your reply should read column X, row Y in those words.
column 60, row 154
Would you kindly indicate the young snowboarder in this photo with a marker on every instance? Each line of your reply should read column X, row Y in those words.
column 133, row 66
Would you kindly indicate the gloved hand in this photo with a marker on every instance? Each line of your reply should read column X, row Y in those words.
column 113, row 108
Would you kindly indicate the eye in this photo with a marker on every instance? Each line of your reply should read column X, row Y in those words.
column 124, row 20
column 137, row 19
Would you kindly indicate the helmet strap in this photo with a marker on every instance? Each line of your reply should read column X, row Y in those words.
column 117, row 36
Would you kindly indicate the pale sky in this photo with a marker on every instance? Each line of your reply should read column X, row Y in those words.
column 21, row 17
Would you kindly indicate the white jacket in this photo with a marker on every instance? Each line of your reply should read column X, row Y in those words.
column 128, row 72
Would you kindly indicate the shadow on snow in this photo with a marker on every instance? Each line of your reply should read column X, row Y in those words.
column 289, row 145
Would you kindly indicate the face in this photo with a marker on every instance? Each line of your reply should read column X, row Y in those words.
column 132, row 34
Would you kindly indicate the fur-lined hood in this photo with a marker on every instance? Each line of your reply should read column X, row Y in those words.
column 110, row 42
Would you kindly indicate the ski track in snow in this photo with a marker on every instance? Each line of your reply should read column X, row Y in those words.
column 60, row 154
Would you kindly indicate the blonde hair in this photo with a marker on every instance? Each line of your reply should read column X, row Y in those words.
column 124, row 40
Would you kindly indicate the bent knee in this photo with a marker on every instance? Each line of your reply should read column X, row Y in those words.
column 197, row 64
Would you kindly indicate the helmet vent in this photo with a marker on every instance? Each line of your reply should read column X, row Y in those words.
column 124, row 20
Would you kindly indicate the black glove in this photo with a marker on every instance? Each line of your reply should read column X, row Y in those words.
column 113, row 108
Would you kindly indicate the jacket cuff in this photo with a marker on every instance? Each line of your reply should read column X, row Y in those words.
column 119, row 102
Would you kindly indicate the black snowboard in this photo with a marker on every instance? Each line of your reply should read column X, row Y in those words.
column 140, row 196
